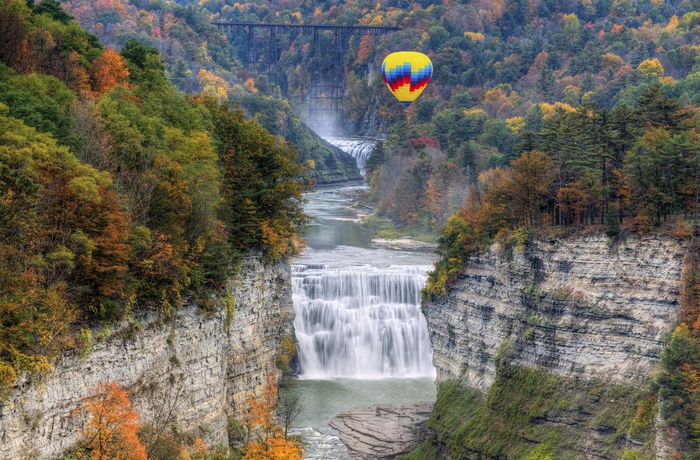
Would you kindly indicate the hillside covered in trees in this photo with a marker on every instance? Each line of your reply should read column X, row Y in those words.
column 199, row 59
column 542, row 116
column 118, row 193
column 502, row 70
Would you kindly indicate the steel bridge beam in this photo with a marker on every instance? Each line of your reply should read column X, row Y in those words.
column 231, row 27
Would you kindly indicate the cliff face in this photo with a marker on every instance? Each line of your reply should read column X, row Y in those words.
column 189, row 370
column 578, row 307
column 550, row 349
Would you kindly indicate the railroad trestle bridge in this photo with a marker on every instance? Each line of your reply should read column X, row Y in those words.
column 326, row 94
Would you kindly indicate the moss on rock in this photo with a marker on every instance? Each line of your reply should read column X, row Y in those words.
column 529, row 414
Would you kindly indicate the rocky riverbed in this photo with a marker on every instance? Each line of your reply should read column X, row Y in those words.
column 383, row 431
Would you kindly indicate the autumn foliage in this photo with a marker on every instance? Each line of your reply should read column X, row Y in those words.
column 61, row 229
column 108, row 71
column 266, row 436
column 587, row 166
column 117, row 191
column 679, row 378
column 111, row 430
column 558, row 113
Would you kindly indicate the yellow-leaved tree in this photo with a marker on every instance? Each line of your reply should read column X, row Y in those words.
column 651, row 68
column 266, row 437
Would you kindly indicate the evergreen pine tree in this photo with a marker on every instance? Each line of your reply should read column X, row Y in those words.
column 661, row 111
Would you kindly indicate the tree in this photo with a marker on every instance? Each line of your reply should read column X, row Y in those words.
column 14, row 18
column 662, row 111
column 266, row 437
column 680, row 362
column 108, row 71
column 41, row 101
column 358, row 97
column 290, row 408
column 498, row 134
column 545, row 83
column 611, row 63
column 569, row 140
column 144, row 64
column 53, row 9
column 213, row 86
column 136, row 53
column 180, row 74
column 528, row 186
column 63, row 244
column 263, row 183
column 651, row 68
column 111, row 431
column 364, row 49
column 376, row 159
column 534, row 119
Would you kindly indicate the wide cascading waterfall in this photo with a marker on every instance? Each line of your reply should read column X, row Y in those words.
column 359, row 149
column 361, row 321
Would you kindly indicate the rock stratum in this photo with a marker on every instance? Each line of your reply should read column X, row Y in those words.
column 581, row 306
column 582, row 319
column 195, row 369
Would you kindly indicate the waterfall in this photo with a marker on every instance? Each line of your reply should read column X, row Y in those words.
column 359, row 149
column 361, row 321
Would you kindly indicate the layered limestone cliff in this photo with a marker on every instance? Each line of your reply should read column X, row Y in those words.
column 585, row 306
column 549, row 350
column 191, row 372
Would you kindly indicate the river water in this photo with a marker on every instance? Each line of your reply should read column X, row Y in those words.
column 361, row 338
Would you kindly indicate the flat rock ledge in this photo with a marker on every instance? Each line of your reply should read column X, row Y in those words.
column 383, row 431
column 404, row 242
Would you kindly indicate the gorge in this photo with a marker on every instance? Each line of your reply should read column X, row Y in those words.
column 154, row 173
column 570, row 329
column 577, row 323
column 361, row 338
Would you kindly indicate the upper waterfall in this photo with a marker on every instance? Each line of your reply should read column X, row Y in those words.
column 359, row 149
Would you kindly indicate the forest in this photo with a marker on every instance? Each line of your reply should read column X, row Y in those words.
column 507, row 76
column 543, row 117
column 119, row 194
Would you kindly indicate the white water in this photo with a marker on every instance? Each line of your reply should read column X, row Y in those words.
column 361, row 338
column 361, row 321
column 359, row 149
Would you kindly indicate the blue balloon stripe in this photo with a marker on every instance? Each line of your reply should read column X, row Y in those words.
column 401, row 75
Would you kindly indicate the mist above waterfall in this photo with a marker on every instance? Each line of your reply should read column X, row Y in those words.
column 361, row 321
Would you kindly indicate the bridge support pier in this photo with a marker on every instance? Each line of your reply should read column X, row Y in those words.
column 326, row 93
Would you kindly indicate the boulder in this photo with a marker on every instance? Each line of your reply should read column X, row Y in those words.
column 383, row 431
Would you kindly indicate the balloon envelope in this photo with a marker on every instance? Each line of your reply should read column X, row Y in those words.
column 406, row 73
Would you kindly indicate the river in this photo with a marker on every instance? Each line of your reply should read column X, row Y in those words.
column 361, row 338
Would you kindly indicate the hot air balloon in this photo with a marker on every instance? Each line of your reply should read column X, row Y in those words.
column 407, row 73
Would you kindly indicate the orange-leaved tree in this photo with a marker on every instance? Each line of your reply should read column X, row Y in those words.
column 266, row 438
column 110, row 433
column 199, row 451
column 108, row 71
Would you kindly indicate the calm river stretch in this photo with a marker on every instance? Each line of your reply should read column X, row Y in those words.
column 360, row 334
